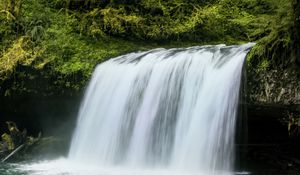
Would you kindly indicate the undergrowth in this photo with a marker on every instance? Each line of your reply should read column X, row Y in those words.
column 66, row 38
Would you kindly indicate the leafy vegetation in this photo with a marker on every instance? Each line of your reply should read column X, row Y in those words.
column 59, row 42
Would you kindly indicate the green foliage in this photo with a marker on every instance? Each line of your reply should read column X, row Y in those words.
column 276, row 43
column 163, row 20
column 14, row 55
column 52, row 47
column 62, row 40
column 226, row 21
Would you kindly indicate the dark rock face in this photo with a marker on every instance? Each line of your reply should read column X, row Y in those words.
column 48, row 115
column 273, row 104
column 278, row 87
column 273, row 109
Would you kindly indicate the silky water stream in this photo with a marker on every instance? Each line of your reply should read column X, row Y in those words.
column 160, row 112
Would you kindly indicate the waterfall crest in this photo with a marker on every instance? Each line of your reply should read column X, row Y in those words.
column 173, row 109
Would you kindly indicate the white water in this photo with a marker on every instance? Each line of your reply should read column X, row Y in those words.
column 158, row 112
column 172, row 109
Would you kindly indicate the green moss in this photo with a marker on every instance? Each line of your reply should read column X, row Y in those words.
column 60, row 42
column 276, row 43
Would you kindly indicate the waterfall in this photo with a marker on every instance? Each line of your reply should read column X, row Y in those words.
column 166, row 108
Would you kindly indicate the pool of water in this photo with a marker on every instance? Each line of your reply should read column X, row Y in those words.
column 65, row 167
column 10, row 169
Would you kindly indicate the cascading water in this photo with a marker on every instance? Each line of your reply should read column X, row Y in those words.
column 172, row 109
